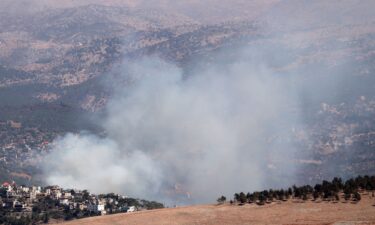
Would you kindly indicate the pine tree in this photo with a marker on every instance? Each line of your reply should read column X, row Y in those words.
column 46, row 218
column 357, row 196
column 221, row 200
column 242, row 198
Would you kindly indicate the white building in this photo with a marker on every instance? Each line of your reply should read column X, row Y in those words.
column 67, row 195
column 96, row 208
column 64, row 201
column 131, row 209
column 25, row 189
column 36, row 190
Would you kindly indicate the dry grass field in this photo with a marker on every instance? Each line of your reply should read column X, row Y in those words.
column 327, row 213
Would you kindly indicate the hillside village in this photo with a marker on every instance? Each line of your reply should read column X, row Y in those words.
column 25, row 205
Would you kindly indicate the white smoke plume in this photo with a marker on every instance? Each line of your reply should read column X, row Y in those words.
column 87, row 161
column 170, row 136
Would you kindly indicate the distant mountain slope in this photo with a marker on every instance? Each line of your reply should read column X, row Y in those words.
column 56, row 57
column 209, row 11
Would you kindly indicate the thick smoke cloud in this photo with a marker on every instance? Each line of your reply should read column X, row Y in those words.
column 171, row 137
column 87, row 161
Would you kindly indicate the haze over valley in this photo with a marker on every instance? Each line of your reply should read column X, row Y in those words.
column 182, row 101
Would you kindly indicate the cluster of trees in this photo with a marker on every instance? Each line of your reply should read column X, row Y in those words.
column 24, row 220
column 122, row 202
column 327, row 190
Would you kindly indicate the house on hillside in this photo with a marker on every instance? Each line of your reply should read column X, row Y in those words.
column 14, row 124
column 131, row 209
column 7, row 186
column 54, row 191
column 64, row 201
column 96, row 208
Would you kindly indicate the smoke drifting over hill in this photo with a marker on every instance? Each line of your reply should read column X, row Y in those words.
column 205, row 134
column 180, row 137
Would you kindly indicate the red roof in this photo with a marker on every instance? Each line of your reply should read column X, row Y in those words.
column 6, row 184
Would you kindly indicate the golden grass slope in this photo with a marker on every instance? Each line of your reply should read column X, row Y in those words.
column 285, row 213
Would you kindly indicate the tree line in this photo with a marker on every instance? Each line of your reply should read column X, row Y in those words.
column 327, row 190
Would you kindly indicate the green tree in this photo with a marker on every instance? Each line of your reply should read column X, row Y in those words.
column 357, row 196
column 242, row 198
column 236, row 197
column 315, row 195
column 46, row 218
column 337, row 197
column 222, row 199
column 347, row 196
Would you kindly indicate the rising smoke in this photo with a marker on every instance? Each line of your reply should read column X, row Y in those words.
column 183, row 138
column 224, row 128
